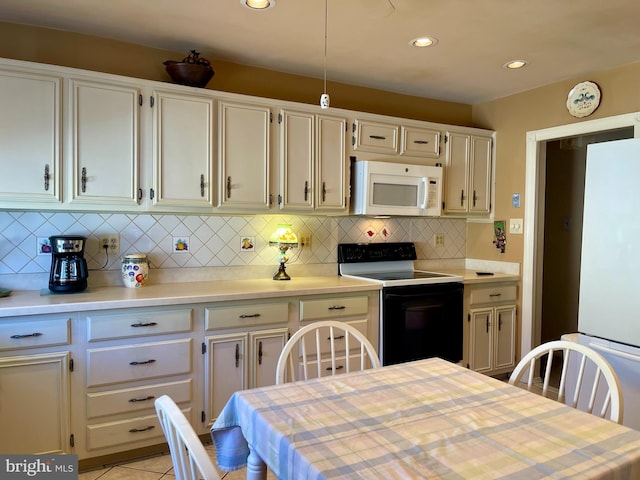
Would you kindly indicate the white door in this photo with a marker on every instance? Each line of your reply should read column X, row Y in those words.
column 297, row 159
column 332, row 165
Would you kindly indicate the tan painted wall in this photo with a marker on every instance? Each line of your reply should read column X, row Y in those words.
column 92, row 53
column 512, row 117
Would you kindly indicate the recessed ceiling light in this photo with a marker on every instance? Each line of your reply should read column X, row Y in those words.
column 515, row 64
column 423, row 42
column 258, row 4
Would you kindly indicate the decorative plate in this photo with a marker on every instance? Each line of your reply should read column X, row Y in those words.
column 583, row 99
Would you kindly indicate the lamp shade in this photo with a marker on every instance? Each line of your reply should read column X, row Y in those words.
column 284, row 235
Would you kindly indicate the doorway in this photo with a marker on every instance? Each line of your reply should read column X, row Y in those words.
column 566, row 161
column 535, row 208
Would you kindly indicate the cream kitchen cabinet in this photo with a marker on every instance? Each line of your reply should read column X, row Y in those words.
column 419, row 142
column 183, row 139
column 313, row 167
column 376, row 137
column 468, row 174
column 351, row 309
column 131, row 357
column 31, row 138
column 35, row 364
column 491, row 316
column 244, row 147
column 104, row 143
column 242, row 345
column 121, row 130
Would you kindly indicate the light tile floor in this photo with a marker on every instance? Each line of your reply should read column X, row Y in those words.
column 155, row 468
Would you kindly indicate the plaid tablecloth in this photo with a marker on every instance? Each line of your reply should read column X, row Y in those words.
column 426, row 419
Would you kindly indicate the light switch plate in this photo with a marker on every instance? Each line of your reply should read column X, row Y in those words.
column 515, row 226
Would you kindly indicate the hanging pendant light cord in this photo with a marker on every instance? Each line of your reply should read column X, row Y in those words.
column 326, row 15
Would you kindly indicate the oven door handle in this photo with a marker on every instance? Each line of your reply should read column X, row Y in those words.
column 410, row 296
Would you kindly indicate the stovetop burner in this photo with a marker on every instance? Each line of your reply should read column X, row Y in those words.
column 388, row 263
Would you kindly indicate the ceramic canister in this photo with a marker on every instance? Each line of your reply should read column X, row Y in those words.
column 135, row 270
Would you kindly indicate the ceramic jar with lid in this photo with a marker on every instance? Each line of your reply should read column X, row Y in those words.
column 135, row 270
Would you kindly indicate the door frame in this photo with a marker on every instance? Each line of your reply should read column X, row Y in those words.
column 535, row 170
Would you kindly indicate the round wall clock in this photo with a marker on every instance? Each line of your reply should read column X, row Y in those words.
column 583, row 99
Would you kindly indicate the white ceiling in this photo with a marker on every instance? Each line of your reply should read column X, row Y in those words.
column 368, row 39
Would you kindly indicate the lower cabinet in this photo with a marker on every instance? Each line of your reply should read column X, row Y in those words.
column 35, row 365
column 492, row 328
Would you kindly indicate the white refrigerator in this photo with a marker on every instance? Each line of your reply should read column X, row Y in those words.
column 609, row 308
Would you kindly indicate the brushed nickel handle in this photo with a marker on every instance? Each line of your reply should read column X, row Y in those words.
column 26, row 335
column 249, row 315
column 377, row 137
column 324, row 191
column 141, row 324
column 202, row 185
column 421, row 142
column 145, row 429
column 146, row 399
column 145, row 362
column 306, row 189
column 229, row 187
column 337, row 307
column 83, row 180
column 462, row 198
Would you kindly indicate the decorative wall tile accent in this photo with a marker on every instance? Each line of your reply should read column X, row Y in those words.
column 213, row 240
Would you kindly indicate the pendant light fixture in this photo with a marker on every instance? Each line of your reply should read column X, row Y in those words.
column 324, row 98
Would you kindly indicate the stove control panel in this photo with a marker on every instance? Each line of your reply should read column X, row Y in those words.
column 376, row 252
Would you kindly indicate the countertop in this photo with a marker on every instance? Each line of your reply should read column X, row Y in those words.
column 32, row 302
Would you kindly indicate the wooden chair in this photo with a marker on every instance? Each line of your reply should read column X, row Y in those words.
column 595, row 384
column 331, row 338
column 190, row 460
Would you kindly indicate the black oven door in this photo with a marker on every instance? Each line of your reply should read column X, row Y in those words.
column 422, row 321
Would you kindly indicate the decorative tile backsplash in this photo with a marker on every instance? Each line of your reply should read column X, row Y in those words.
column 175, row 241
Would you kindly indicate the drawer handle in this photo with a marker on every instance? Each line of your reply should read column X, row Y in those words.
column 27, row 335
column 339, row 337
column 145, row 429
column 250, row 315
column 339, row 367
column 377, row 137
column 140, row 324
column 134, row 400
column 495, row 294
column 337, row 307
column 421, row 142
column 146, row 362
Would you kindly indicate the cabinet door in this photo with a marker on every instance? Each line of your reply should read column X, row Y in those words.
column 375, row 137
column 456, row 174
column 104, row 143
column 244, row 145
column 182, row 150
column 29, row 424
column 332, row 181
column 420, row 142
column 480, row 174
column 481, row 345
column 297, row 158
column 505, row 328
column 225, row 370
column 30, row 136
column 266, row 346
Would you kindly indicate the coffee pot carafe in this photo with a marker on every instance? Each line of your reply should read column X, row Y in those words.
column 68, row 266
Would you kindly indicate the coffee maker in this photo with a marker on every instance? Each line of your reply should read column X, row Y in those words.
column 68, row 267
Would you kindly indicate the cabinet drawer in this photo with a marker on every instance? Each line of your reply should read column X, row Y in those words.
column 137, row 323
column 325, row 345
column 325, row 366
column 138, row 362
column 138, row 429
column 376, row 137
column 133, row 399
column 29, row 333
column 493, row 294
column 246, row 315
column 332, row 308
column 419, row 142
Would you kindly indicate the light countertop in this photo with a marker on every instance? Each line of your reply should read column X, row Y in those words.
column 32, row 302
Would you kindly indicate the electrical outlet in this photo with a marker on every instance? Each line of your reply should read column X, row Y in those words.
column 304, row 241
column 112, row 241
column 438, row 239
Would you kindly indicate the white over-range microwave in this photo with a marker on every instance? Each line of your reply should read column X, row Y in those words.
column 386, row 188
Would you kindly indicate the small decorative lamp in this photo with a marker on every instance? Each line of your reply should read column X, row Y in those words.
column 284, row 238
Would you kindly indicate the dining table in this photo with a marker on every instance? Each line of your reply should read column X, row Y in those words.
column 425, row 419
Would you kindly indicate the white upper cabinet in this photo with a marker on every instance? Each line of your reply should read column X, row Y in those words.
column 312, row 162
column 104, row 143
column 243, row 156
column 183, row 126
column 419, row 142
column 376, row 137
column 468, row 174
column 30, row 138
